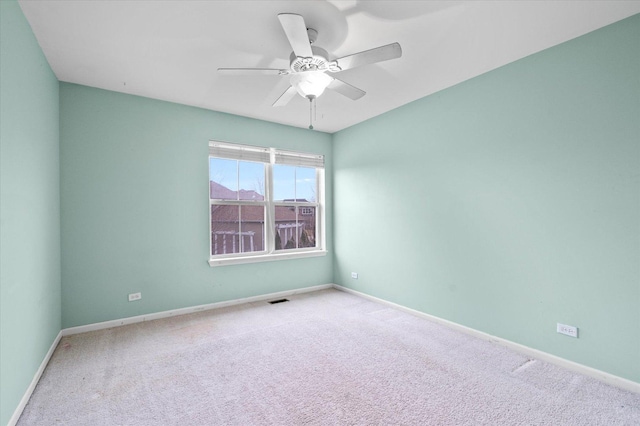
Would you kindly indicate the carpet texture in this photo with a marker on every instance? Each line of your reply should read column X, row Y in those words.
column 323, row 358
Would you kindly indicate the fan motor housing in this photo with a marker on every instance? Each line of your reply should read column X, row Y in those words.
column 318, row 60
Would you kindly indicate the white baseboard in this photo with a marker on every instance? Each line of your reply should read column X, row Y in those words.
column 36, row 378
column 189, row 310
column 605, row 377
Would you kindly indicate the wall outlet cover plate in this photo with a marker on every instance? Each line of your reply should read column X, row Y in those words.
column 568, row 330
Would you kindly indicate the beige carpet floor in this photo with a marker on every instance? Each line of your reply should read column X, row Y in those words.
column 323, row 358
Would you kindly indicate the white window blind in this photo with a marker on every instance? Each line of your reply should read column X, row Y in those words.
column 239, row 152
column 299, row 159
column 263, row 155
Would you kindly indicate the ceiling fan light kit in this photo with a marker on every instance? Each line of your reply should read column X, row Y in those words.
column 309, row 65
column 310, row 84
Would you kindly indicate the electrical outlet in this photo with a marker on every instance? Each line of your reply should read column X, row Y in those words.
column 354, row 275
column 569, row 330
column 135, row 296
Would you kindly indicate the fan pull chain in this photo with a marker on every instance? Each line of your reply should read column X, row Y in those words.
column 311, row 112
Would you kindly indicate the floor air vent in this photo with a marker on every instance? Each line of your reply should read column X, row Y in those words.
column 273, row 302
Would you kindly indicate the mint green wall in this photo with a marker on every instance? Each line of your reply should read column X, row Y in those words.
column 134, row 194
column 508, row 203
column 29, row 208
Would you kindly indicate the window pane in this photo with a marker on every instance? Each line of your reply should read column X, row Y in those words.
column 237, row 229
column 226, row 175
column 252, row 228
column 292, row 183
column 225, row 229
column 306, row 184
column 295, row 229
column 251, row 178
column 223, row 179
column 284, row 183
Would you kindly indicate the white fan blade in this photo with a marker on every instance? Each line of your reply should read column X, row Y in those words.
column 378, row 54
column 346, row 89
column 252, row 71
column 285, row 97
column 296, row 31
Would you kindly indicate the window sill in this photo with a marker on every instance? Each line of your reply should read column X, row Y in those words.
column 266, row 258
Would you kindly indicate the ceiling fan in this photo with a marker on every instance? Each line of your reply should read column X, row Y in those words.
column 310, row 67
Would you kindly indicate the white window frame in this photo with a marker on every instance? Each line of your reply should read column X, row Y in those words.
column 218, row 149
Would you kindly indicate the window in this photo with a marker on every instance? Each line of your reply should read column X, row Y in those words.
column 264, row 204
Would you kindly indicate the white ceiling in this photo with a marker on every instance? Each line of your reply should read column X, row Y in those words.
column 170, row 50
